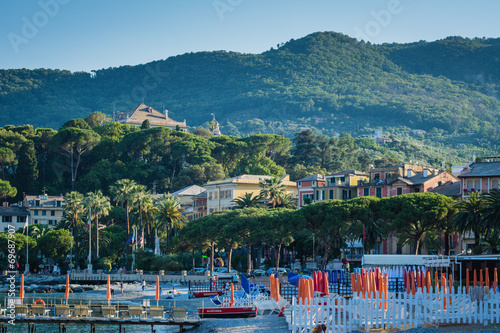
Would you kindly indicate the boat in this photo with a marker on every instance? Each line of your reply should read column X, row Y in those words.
column 228, row 312
column 199, row 294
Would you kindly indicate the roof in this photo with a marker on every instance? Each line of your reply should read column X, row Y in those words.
column 145, row 112
column 350, row 172
column 420, row 179
column 248, row 179
column 312, row 177
column 482, row 169
column 13, row 211
column 201, row 195
column 189, row 191
column 449, row 189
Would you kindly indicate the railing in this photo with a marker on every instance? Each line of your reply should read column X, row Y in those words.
column 139, row 276
column 397, row 310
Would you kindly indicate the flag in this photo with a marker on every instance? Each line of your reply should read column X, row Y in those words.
column 141, row 240
column 131, row 239
column 25, row 224
column 157, row 244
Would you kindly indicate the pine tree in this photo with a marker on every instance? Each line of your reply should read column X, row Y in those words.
column 27, row 169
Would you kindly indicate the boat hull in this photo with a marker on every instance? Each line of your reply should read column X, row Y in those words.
column 228, row 312
column 198, row 294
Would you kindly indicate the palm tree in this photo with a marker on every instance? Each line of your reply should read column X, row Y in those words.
column 73, row 207
column 123, row 192
column 272, row 188
column 247, row 200
column 99, row 206
column 469, row 216
column 491, row 213
column 38, row 230
column 169, row 215
column 139, row 198
column 285, row 200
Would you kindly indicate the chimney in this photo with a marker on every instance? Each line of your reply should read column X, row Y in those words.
column 409, row 173
column 425, row 173
column 166, row 114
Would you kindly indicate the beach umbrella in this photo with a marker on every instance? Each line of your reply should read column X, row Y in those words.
column 429, row 284
column 294, row 278
column 325, row 284
column 108, row 289
column 157, row 295
column 66, row 291
column 245, row 284
column 277, row 294
column 495, row 281
column 232, row 295
column 21, row 290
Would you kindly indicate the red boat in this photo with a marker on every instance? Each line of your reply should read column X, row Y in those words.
column 228, row 312
column 198, row 294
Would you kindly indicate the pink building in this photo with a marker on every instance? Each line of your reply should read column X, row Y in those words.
column 306, row 188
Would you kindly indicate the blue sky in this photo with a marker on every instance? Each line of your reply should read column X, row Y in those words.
column 82, row 35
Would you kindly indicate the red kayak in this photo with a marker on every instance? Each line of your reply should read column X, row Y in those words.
column 228, row 312
column 198, row 294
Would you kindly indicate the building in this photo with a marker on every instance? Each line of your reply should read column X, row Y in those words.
column 483, row 175
column 138, row 115
column 221, row 193
column 402, row 179
column 198, row 208
column 44, row 209
column 186, row 194
column 305, row 188
column 342, row 185
column 14, row 216
column 450, row 189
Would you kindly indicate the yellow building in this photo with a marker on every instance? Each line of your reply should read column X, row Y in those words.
column 341, row 185
column 220, row 193
column 44, row 209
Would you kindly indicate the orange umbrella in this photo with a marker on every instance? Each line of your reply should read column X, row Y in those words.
column 157, row 295
column 353, row 283
column 495, row 281
column 443, row 284
column 325, row 285
column 412, row 282
column 108, row 290
column 450, row 282
column 21, row 290
column 232, row 295
column 467, row 281
column 66, row 292
column 271, row 285
column 429, row 284
column 277, row 294
column 436, row 282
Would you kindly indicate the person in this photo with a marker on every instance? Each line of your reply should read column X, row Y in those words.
column 143, row 285
column 173, row 291
column 121, row 287
column 320, row 328
column 112, row 292
column 160, row 292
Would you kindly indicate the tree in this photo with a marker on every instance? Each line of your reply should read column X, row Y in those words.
column 43, row 137
column 491, row 213
column 55, row 244
column 73, row 209
column 74, row 142
column 363, row 211
column 145, row 125
column 7, row 159
column 469, row 216
column 27, row 168
column 96, row 119
column 272, row 189
column 247, row 200
column 416, row 217
column 169, row 215
column 6, row 190
column 99, row 206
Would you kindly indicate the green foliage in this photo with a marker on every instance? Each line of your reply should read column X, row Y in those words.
column 6, row 190
column 55, row 244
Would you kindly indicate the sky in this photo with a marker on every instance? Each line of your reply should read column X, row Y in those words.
column 85, row 35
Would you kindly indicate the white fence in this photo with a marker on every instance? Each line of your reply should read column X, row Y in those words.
column 400, row 310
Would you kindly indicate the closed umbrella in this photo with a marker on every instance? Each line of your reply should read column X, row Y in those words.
column 232, row 295
column 66, row 291
column 108, row 290
column 157, row 295
column 21, row 290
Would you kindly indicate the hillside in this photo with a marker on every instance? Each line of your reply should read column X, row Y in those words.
column 326, row 81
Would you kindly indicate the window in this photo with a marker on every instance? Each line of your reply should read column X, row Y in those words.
column 228, row 194
column 477, row 184
column 6, row 229
column 300, row 183
column 222, row 194
column 35, row 212
column 342, row 179
column 52, row 213
column 377, row 176
column 21, row 219
column 387, row 175
column 366, row 192
column 469, row 184
column 52, row 222
column 44, row 213
column 35, row 221
column 58, row 203
column 209, row 195
column 417, row 189
column 399, row 191
column 379, row 192
column 37, row 203
column 211, row 210
column 494, row 184
column 6, row 218
column 215, row 195
column 331, row 195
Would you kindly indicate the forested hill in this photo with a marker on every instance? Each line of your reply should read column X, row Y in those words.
column 325, row 80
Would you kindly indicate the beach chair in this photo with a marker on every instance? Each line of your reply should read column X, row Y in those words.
column 134, row 311
column 215, row 299
column 39, row 310
column 179, row 312
column 109, row 311
column 157, row 312
column 62, row 311
column 81, row 311
column 21, row 310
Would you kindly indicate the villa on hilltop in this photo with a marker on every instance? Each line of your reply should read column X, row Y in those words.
column 136, row 116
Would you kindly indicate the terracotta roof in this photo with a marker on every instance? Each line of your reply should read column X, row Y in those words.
column 483, row 169
column 143, row 112
column 450, row 189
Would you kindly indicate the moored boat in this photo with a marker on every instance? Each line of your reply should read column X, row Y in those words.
column 228, row 312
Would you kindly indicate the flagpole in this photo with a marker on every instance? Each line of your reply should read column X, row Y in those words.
column 27, row 267
column 89, row 225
